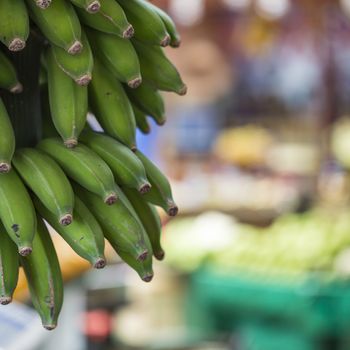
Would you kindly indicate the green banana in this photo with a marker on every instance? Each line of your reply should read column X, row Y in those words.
column 44, row 277
column 8, row 76
column 48, row 128
column 108, row 48
column 79, row 66
column 141, row 120
column 7, row 140
column 149, row 28
column 91, row 6
column 160, row 193
column 111, row 106
column 118, row 224
column 68, row 103
column 14, row 24
column 59, row 23
column 42, row 3
column 109, row 19
column 84, row 166
column 17, row 212
column 157, row 70
column 169, row 24
column 149, row 101
column 126, row 167
column 84, row 234
column 9, row 265
column 47, row 180
column 149, row 218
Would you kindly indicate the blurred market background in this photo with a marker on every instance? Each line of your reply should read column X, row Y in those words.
column 259, row 157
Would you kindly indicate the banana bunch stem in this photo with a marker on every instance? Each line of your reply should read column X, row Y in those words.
column 24, row 108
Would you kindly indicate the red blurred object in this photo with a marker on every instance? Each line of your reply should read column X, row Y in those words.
column 97, row 325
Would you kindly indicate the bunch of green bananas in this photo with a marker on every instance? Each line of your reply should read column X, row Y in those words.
column 102, row 56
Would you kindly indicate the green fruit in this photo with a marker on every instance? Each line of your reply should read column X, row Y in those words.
column 44, row 277
column 17, row 211
column 109, row 19
column 7, row 140
column 59, row 23
column 126, row 167
column 68, row 103
column 149, row 28
column 111, row 106
column 84, row 166
column 160, row 193
column 9, row 265
column 14, row 24
column 91, row 6
column 78, row 67
column 125, row 67
column 141, row 120
column 84, row 234
column 47, row 180
column 8, row 76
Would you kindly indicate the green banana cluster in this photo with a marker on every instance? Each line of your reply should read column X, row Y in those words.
column 100, row 56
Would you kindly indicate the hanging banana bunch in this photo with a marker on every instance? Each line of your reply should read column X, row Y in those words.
column 100, row 56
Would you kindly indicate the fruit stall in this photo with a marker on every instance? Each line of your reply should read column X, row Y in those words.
column 174, row 174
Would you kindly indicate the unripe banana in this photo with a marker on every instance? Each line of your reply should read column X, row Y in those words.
column 44, row 277
column 9, row 265
column 108, row 48
column 8, row 75
column 109, row 19
column 14, row 24
column 84, row 166
column 141, row 120
column 149, row 101
column 91, row 6
column 59, row 23
column 68, row 103
column 118, row 224
column 126, row 167
column 157, row 70
column 17, row 212
column 7, row 140
column 111, row 106
column 47, row 180
column 79, row 66
column 42, row 3
column 84, row 234
column 160, row 193
column 149, row 218
column 48, row 128
column 149, row 28
column 169, row 24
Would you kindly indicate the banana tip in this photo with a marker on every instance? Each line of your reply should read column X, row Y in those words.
column 66, row 220
column 145, row 188
column 5, row 300
column 83, row 80
column 17, row 44
column 111, row 199
column 159, row 255
column 25, row 251
column 49, row 327
column 5, row 167
column 143, row 256
column 70, row 143
column 94, row 7
column 17, row 89
column 147, row 278
column 161, row 121
column 183, row 90
column 44, row 4
column 133, row 148
column 172, row 211
column 175, row 43
column 76, row 47
column 165, row 41
column 129, row 32
column 135, row 83
column 100, row 263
